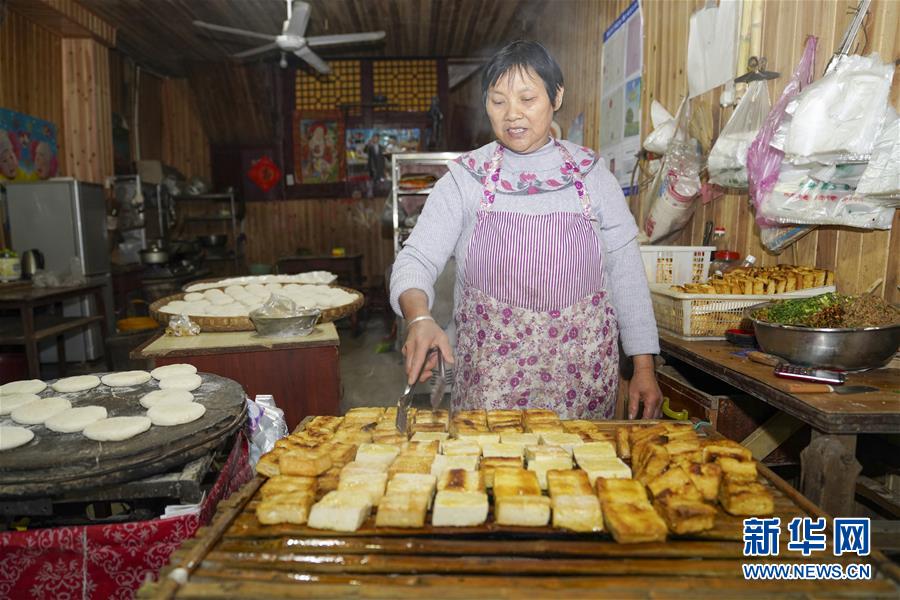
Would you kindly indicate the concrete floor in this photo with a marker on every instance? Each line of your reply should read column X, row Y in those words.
column 369, row 378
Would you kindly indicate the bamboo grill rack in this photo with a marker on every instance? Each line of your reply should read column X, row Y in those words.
column 214, row 324
column 236, row 557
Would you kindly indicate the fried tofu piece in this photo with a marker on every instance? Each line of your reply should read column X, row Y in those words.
column 542, row 451
column 714, row 449
column 675, row 482
column 578, row 512
column 363, row 467
column 541, row 427
column 411, row 463
column 623, row 442
column 305, row 462
column 594, row 450
column 579, row 426
column 429, row 436
column 494, row 450
column 524, row 511
column 369, row 484
column 382, row 454
column 540, row 466
column 462, row 480
column 418, row 483
column 353, row 438
column 341, row 454
column 482, row 438
column 706, row 478
column 340, row 511
column 325, row 422
column 429, row 428
column 489, row 466
column 267, row 465
column 569, row 482
column 568, row 441
column 522, row 439
column 462, row 447
column 284, row 484
column 328, row 481
column 388, row 438
column 686, row 460
column 290, row 507
column 476, row 417
column 605, row 468
column 402, row 509
column 494, row 416
column 364, row 412
column 633, row 523
column 751, row 499
column 515, row 482
column 601, row 436
column 650, row 462
column 466, row 429
column 735, row 470
column 629, row 491
column 442, row 462
column 455, row 508
column 681, row 446
column 507, row 428
column 685, row 515
column 539, row 414
column 421, row 447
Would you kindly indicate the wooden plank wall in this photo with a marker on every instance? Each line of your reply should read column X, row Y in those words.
column 860, row 258
column 87, row 121
column 184, row 142
column 276, row 229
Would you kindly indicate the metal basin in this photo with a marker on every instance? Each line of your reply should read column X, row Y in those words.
column 844, row 349
column 303, row 323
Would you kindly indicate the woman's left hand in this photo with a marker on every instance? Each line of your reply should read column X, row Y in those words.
column 644, row 390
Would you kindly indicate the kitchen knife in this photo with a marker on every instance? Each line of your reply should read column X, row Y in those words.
column 406, row 398
column 820, row 388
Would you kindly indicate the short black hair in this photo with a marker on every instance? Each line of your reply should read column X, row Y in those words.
column 522, row 55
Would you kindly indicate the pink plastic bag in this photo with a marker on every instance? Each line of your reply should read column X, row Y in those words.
column 764, row 161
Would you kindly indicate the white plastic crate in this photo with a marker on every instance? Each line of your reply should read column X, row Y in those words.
column 709, row 316
column 676, row 265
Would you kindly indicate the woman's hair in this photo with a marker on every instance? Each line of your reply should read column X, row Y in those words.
column 522, row 55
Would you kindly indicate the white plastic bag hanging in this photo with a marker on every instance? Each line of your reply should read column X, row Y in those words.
column 663, row 129
column 727, row 162
column 881, row 179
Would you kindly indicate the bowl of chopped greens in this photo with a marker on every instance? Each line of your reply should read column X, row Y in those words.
column 833, row 331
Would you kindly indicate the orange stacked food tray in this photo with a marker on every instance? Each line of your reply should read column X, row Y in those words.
column 490, row 504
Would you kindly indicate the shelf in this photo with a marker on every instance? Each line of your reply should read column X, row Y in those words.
column 45, row 326
column 204, row 197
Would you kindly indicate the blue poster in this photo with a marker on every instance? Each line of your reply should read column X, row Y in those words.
column 28, row 149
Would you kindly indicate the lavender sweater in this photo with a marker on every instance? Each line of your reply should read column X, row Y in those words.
column 534, row 183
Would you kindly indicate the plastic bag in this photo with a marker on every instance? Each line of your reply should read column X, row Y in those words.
column 776, row 239
column 823, row 195
column 727, row 162
column 277, row 306
column 881, row 179
column 663, row 129
column 677, row 184
column 837, row 118
column 265, row 426
column 181, row 325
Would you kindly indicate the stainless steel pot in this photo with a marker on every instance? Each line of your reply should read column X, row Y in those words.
column 845, row 349
column 154, row 255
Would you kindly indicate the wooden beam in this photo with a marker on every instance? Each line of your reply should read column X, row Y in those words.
column 67, row 19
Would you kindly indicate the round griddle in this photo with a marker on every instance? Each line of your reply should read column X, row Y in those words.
column 55, row 463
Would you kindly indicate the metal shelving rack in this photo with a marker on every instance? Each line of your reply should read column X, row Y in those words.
column 236, row 253
column 402, row 163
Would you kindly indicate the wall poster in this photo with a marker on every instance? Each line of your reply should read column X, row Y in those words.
column 28, row 150
column 319, row 147
column 620, row 94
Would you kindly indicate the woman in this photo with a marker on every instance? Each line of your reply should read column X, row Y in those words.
column 549, row 273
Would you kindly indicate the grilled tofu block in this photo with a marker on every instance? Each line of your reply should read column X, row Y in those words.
column 515, row 482
column 593, row 450
column 735, row 470
column 633, row 523
column 623, row 442
column 542, row 451
column 494, row 416
column 411, row 463
column 461, row 480
column 352, row 437
column 681, row 446
column 442, row 462
column 525, row 511
column 328, row 481
column 577, row 512
column 469, row 431
column 284, row 484
column 476, row 417
column 706, row 478
column 402, row 509
column 455, row 508
column 341, row 454
column 685, row 515
column 481, row 438
column 421, row 448
column 428, row 428
column 714, row 449
column 462, row 447
column 628, row 491
column 382, row 454
column 430, row 436
column 540, row 414
column 267, row 465
column 290, row 507
column 569, row 482
column 540, row 466
column 364, row 412
column 494, row 450
column 507, row 428
column 325, row 422
column 352, row 468
column 306, row 462
column 489, row 466
column 650, row 462
column 579, row 426
column 388, row 438
column 674, row 482
column 522, row 439
column 413, row 483
column 602, row 436
column 544, row 427
column 369, row 484
column 431, row 417
column 340, row 511
column 746, row 499
column 567, row 441
column 605, row 468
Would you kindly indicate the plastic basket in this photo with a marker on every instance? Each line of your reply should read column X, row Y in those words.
column 676, row 265
column 709, row 316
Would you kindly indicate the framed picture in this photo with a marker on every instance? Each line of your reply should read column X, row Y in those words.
column 319, row 154
column 28, row 149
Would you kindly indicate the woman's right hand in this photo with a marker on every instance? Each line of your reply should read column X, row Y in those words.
column 422, row 336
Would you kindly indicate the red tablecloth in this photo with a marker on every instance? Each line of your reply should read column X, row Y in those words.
column 105, row 561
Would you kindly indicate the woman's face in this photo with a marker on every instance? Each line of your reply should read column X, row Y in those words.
column 520, row 110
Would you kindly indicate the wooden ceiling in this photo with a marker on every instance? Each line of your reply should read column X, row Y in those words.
column 159, row 33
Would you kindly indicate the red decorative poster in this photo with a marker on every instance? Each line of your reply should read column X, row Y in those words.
column 264, row 173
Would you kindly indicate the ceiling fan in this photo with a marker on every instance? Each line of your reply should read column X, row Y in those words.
column 291, row 38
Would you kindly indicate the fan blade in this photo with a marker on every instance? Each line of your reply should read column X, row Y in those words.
column 299, row 19
column 344, row 38
column 235, row 31
column 254, row 51
column 313, row 60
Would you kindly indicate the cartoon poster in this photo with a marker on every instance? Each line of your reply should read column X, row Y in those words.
column 319, row 147
column 28, row 150
column 620, row 94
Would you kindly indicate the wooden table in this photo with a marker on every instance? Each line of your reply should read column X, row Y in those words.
column 829, row 468
column 302, row 373
column 28, row 329
column 237, row 557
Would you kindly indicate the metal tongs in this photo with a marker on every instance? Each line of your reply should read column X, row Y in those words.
column 437, row 393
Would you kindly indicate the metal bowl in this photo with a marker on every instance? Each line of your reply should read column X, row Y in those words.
column 845, row 349
column 216, row 240
column 303, row 323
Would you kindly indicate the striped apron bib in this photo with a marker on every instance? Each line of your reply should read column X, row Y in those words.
column 535, row 327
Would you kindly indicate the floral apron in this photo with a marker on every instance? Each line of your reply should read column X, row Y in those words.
column 535, row 327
